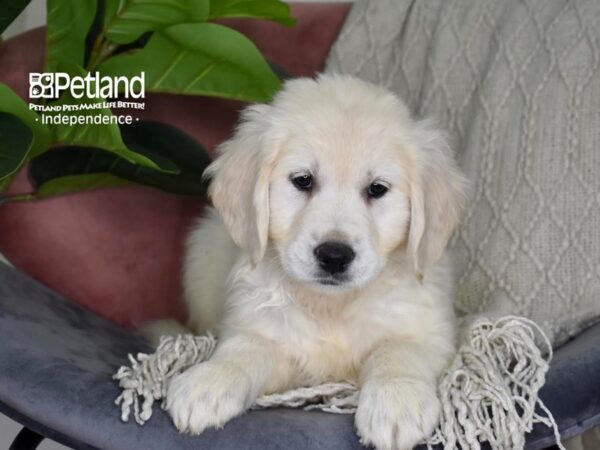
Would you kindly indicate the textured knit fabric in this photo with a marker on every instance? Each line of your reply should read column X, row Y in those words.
column 517, row 84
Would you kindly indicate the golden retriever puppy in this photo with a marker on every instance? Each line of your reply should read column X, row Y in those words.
column 322, row 261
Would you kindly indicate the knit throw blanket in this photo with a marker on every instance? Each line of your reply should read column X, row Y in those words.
column 517, row 84
column 488, row 394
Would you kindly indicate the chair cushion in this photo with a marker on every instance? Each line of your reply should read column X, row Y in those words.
column 57, row 359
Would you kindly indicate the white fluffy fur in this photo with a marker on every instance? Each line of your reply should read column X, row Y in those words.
column 389, row 326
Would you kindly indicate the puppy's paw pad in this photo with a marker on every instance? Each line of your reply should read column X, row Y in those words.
column 207, row 395
column 396, row 415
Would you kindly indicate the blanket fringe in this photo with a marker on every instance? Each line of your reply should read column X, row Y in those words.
column 489, row 393
column 148, row 377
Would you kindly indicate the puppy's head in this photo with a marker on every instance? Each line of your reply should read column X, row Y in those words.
column 337, row 177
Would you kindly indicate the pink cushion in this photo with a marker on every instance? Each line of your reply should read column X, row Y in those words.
column 118, row 251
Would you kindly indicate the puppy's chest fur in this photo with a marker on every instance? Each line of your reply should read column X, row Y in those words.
column 324, row 337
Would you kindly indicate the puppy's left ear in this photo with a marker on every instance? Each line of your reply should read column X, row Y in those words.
column 437, row 196
column 239, row 187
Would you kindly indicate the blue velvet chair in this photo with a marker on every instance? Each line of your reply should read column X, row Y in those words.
column 57, row 361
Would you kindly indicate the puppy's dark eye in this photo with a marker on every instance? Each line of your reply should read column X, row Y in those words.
column 303, row 182
column 376, row 190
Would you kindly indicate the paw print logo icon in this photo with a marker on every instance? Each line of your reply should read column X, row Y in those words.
column 41, row 85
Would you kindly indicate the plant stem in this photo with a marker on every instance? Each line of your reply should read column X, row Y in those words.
column 17, row 198
column 99, row 54
column 95, row 49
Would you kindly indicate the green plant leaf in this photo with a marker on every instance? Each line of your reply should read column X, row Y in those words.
column 19, row 124
column 68, row 25
column 274, row 10
column 135, row 17
column 202, row 59
column 149, row 138
column 110, row 10
column 11, row 103
column 9, row 10
column 76, row 183
column 105, row 134
column 15, row 145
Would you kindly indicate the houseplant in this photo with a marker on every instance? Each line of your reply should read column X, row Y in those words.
column 72, row 139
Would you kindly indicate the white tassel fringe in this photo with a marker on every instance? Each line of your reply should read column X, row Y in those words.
column 489, row 393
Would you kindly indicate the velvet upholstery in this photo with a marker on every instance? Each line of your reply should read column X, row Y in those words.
column 118, row 252
column 56, row 362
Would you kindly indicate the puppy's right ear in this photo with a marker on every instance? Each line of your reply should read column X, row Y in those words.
column 239, row 186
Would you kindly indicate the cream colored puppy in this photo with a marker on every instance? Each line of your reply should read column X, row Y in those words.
column 323, row 262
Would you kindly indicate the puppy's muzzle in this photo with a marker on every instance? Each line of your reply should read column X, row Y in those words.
column 334, row 257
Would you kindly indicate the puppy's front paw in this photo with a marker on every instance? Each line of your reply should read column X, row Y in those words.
column 396, row 414
column 208, row 395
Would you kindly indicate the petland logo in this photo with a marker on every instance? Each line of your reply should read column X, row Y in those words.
column 51, row 85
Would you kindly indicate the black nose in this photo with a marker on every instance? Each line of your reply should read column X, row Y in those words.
column 334, row 257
